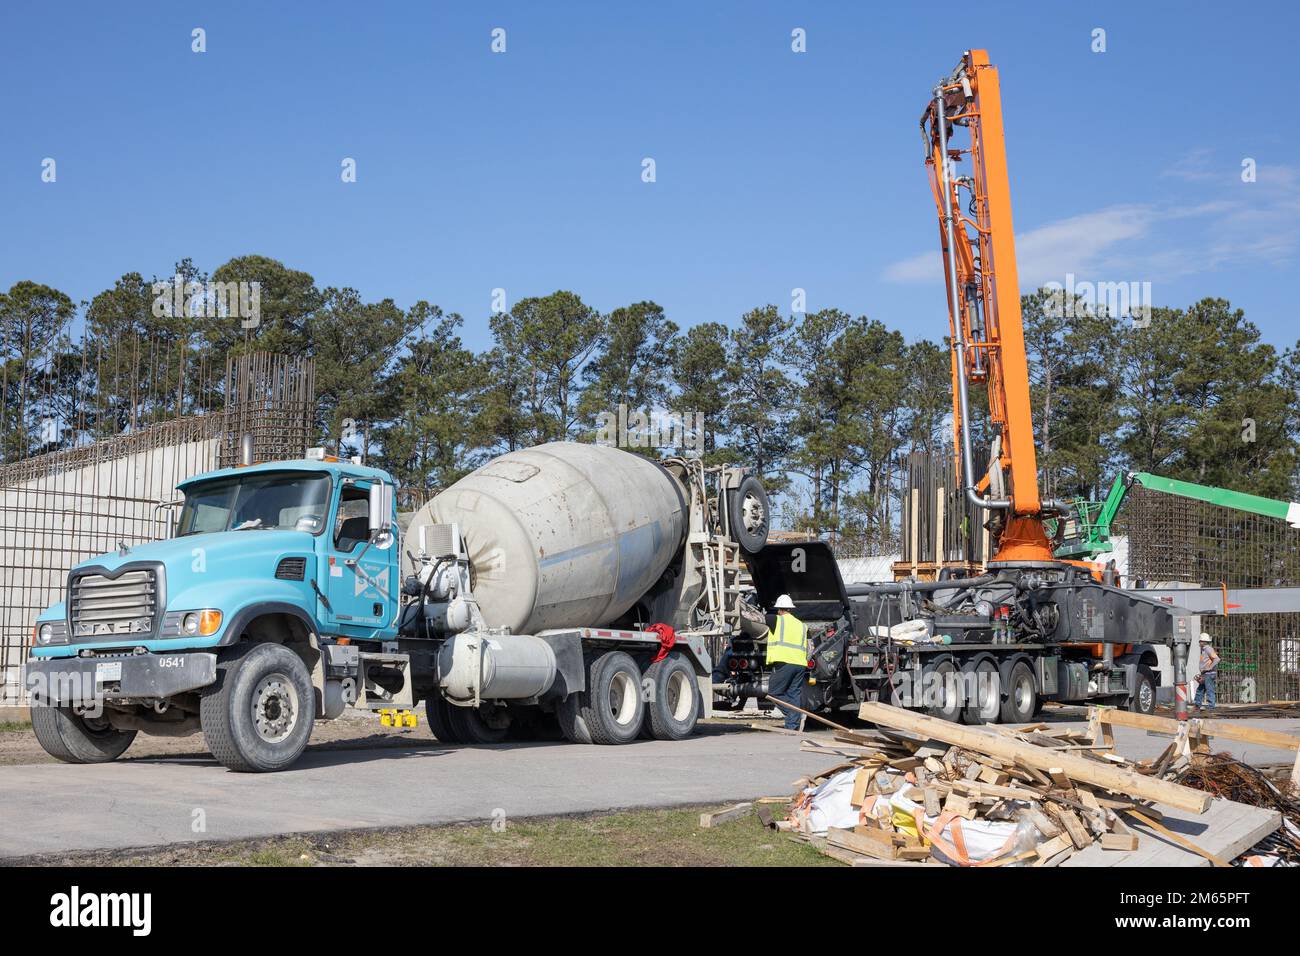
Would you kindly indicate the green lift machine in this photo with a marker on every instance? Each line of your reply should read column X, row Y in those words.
column 1086, row 534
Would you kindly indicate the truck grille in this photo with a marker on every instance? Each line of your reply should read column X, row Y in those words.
column 103, row 608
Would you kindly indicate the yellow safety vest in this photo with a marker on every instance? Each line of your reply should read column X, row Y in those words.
column 788, row 644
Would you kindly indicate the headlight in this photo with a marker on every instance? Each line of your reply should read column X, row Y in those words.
column 204, row 623
column 45, row 633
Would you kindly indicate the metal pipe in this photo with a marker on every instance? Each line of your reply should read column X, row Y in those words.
column 959, row 329
column 899, row 587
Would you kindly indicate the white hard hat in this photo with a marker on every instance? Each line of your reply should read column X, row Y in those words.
column 1205, row 637
column 783, row 603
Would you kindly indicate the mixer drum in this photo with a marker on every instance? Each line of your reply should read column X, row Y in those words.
column 563, row 534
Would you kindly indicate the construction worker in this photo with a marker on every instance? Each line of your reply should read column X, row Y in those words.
column 787, row 649
column 1205, row 689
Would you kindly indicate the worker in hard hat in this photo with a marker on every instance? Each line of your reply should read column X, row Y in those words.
column 1205, row 688
column 787, row 655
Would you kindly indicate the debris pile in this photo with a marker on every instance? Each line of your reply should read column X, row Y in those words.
column 898, row 800
column 921, row 791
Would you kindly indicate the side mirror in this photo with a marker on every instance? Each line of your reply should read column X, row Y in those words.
column 381, row 507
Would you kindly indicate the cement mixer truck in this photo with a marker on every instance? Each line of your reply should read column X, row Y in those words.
column 570, row 584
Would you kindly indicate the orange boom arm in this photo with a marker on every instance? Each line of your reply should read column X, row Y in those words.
column 988, row 340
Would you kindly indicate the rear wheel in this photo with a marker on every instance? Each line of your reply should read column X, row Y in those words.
column 258, row 714
column 983, row 692
column 674, row 705
column 611, row 709
column 72, row 738
column 942, row 690
column 1021, row 694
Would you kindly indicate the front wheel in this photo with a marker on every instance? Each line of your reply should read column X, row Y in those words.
column 68, row 736
column 1143, row 700
column 258, row 714
column 488, row 724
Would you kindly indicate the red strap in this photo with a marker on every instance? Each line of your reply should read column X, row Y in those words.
column 667, row 638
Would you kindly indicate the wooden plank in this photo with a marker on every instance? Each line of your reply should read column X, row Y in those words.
column 860, row 782
column 1226, row 729
column 709, row 820
column 1119, row 841
column 1079, row 834
column 1004, row 860
column 1049, row 848
column 1074, row 765
column 860, row 843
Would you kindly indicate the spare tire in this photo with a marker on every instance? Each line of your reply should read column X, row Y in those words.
column 749, row 517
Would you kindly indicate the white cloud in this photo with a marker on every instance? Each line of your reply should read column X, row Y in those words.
column 1255, row 223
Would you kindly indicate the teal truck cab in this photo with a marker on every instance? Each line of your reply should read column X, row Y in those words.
column 234, row 625
column 287, row 593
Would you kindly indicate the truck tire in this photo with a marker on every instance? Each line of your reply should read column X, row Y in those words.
column 471, row 726
column 673, row 709
column 436, row 715
column 943, row 679
column 66, row 735
column 611, row 709
column 1143, row 700
column 1019, row 693
column 568, row 713
column 983, row 683
column 259, row 713
column 749, row 516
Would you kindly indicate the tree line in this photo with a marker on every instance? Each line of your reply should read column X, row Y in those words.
column 824, row 405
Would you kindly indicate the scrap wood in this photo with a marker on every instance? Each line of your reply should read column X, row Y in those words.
column 850, row 735
column 1076, row 766
column 1119, row 841
column 708, row 820
column 1205, row 726
column 1004, row 860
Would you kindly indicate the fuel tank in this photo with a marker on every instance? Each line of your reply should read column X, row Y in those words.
column 563, row 534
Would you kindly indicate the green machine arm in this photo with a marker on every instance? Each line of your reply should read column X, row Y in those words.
column 1087, row 532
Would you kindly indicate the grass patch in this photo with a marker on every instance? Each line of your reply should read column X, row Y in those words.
column 14, row 726
column 663, row 837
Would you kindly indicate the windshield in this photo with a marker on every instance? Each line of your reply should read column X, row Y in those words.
column 289, row 500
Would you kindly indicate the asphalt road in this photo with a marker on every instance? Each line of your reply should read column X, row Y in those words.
column 47, row 808
column 148, row 801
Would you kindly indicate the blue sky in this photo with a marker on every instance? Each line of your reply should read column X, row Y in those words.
column 522, row 170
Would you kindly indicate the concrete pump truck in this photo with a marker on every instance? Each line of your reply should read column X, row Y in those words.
column 1031, row 627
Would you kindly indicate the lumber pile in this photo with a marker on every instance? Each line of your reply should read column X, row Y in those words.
column 920, row 791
